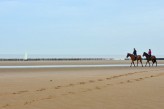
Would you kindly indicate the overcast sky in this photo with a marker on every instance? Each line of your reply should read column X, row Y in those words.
column 81, row 27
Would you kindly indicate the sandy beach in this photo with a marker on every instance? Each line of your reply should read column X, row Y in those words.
column 81, row 88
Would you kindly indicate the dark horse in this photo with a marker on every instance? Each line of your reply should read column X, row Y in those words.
column 148, row 58
column 133, row 58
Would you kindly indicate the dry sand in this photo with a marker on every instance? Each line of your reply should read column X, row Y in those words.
column 82, row 88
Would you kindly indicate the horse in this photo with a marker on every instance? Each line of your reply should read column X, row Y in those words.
column 133, row 58
column 148, row 58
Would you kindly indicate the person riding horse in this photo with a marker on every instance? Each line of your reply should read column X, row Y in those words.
column 133, row 58
column 148, row 58
column 149, row 53
column 135, row 53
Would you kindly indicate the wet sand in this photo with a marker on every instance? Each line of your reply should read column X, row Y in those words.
column 81, row 88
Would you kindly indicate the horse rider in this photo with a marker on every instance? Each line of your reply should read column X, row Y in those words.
column 149, row 53
column 135, row 53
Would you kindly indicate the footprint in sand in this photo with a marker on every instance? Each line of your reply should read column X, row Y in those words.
column 120, row 75
column 42, row 89
column 129, row 81
column 126, row 74
column 20, row 92
column 117, row 76
column 5, row 106
column 143, row 71
column 47, row 98
column 64, row 94
column 108, row 78
column 100, row 80
column 71, row 84
column 71, row 92
column 82, row 83
column 29, row 102
column 91, row 81
column 87, row 90
column 137, row 79
column 121, row 82
column 57, row 87
column 141, row 78
column 146, row 77
column 98, row 88
column 114, row 77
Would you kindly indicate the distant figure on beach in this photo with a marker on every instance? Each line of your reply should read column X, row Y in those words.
column 149, row 53
column 135, row 53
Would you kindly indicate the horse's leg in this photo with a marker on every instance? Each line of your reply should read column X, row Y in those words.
column 137, row 63
column 149, row 63
column 153, row 62
column 133, row 64
column 146, row 64
column 141, row 63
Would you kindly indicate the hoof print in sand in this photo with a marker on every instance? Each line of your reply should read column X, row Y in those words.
column 100, row 80
column 57, row 87
column 81, row 83
column 91, row 81
column 98, row 88
column 42, row 89
column 20, row 92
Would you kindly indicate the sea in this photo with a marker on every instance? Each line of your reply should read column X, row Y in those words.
column 37, row 56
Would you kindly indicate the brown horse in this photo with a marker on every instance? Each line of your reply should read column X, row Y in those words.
column 133, row 58
column 148, row 58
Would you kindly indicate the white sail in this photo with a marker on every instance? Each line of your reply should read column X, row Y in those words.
column 25, row 56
